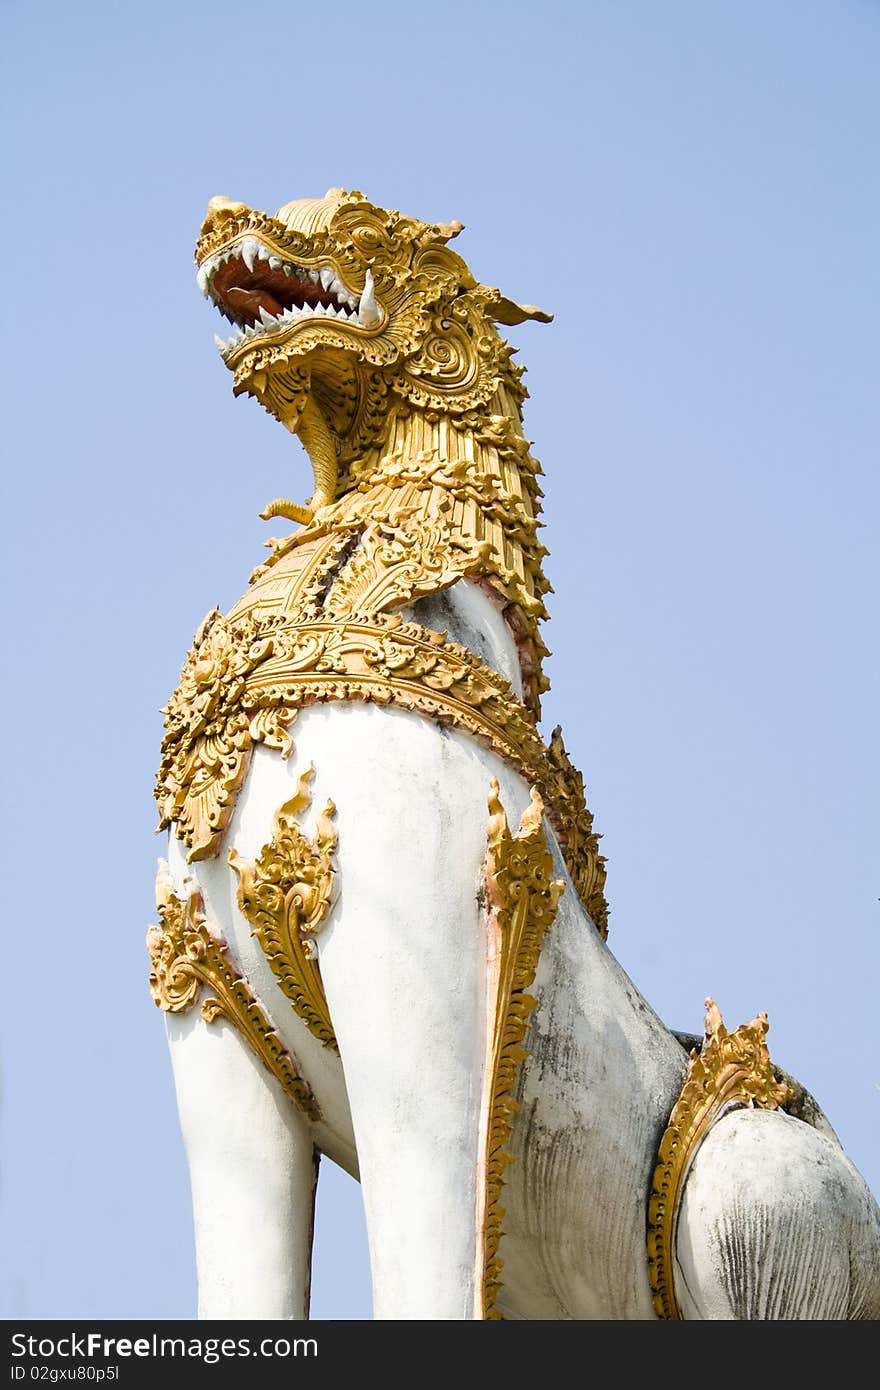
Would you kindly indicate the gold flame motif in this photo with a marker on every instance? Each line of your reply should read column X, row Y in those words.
column 184, row 956
column 285, row 895
column 523, row 898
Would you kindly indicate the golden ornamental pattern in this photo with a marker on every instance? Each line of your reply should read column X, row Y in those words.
column 184, row 956
column 207, row 748
column 523, row 898
column 731, row 1070
column 285, row 894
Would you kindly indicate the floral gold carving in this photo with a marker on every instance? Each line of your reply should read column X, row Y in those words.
column 285, row 895
column 207, row 733
column 184, row 956
column 523, row 898
column 731, row 1070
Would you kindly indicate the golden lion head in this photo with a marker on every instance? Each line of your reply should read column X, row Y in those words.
column 337, row 305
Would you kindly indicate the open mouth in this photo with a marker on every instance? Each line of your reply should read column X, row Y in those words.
column 260, row 294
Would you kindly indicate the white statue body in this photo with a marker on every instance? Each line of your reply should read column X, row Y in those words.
column 404, row 959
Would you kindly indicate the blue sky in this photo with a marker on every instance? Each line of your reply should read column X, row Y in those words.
column 693, row 189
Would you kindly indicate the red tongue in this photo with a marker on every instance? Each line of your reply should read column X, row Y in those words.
column 252, row 301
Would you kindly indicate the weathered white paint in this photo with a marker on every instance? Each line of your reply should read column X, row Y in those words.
column 470, row 617
column 403, row 958
column 600, row 1080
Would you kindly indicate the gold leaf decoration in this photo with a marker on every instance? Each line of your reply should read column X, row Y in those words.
column 285, row 895
column 386, row 661
column 523, row 898
column 731, row 1070
column 184, row 955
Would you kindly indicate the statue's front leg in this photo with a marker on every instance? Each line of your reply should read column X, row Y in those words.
column 404, row 969
column 402, row 979
column 244, row 1113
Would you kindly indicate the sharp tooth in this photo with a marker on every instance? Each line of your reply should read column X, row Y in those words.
column 330, row 311
column 327, row 277
column 202, row 280
column 307, row 309
column 274, row 263
column 267, row 318
column 249, row 250
column 342, row 313
column 337, row 288
column 219, row 343
column 369, row 313
column 314, row 276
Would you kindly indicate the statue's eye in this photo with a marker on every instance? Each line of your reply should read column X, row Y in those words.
column 367, row 239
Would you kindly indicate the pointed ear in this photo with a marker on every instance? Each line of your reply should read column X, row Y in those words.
column 507, row 311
